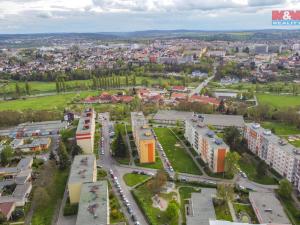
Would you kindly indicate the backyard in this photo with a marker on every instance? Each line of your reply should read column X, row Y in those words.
column 178, row 157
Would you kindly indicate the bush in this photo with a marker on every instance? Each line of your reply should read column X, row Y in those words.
column 70, row 209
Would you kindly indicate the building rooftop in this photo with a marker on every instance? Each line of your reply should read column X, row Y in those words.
column 223, row 120
column 85, row 122
column 203, row 130
column 82, row 169
column 173, row 115
column 268, row 209
column 94, row 204
column 141, row 126
column 277, row 141
column 201, row 209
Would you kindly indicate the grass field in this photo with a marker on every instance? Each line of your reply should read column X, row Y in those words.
column 281, row 128
column 157, row 165
column 134, row 179
column 248, row 165
column 59, row 101
column 222, row 211
column 279, row 101
column 178, row 157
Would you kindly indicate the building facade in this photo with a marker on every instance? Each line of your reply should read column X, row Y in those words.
column 143, row 137
column 211, row 149
column 86, row 130
column 283, row 157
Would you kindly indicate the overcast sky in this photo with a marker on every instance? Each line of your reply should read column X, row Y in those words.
column 43, row 16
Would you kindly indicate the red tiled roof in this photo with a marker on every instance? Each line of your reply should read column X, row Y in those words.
column 178, row 95
column 6, row 207
column 181, row 88
column 204, row 99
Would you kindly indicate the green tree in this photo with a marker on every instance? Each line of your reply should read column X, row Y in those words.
column 119, row 147
column 41, row 198
column 261, row 169
column 18, row 90
column 285, row 189
column 57, row 86
column 76, row 150
column 159, row 180
column 172, row 212
column 63, row 156
column 231, row 163
column 225, row 192
column 232, row 137
column 6, row 155
column 27, row 88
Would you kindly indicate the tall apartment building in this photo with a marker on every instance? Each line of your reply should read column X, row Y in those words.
column 143, row 137
column 211, row 149
column 86, row 130
column 83, row 170
column 283, row 157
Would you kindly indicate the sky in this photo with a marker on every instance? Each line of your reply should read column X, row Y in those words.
column 57, row 16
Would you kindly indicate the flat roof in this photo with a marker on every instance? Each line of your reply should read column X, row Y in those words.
column 82, row 169
column 85, row 121
column 172, row 115
column 211, row 137
column 202, row 207
column 140, row 124
column 268, row 208
column 93, row 204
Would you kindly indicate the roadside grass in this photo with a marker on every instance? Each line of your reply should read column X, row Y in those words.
column 281, row 128
column 248, row 164
column 44, row 215
column 134, row 179
column 143, row 197
column 54, row 102
column 247, row 209
column 178, row 157
column 116, row 215
column 279, row 101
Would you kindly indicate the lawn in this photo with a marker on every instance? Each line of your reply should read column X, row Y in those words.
column 279, row 101
column 178, row 157
column 59, row 101
column 222, row 211
column 44, row 215
column 143, row 197
column 157, row 165
column 244, row 208
column 296, row 143
column 134, row 179
column 248, row 165
column 281, row 128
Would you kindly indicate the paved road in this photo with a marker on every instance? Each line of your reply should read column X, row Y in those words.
column 198, row 89
column 109, row 163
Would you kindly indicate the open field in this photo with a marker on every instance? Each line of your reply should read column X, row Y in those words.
column 59, row 101
column 134, row 179
column 281, row 128
column 279, row 101
column 178, row 157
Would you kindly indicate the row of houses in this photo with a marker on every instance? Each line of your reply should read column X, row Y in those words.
column 105, row 97
column 18, row 177
column 283, row 157
column 143, row 137
column 29, row 145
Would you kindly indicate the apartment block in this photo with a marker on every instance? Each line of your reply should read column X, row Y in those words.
column 211, row 149
column 94, row 204
column 83, row 170
column 143, row 137
column 86, row 130
column 283, row 157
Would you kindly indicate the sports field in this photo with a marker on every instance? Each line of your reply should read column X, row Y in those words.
column 279, row 101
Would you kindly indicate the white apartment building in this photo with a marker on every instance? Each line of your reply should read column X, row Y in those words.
column 283, row 157
column 86, row 130
column 211, row 149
